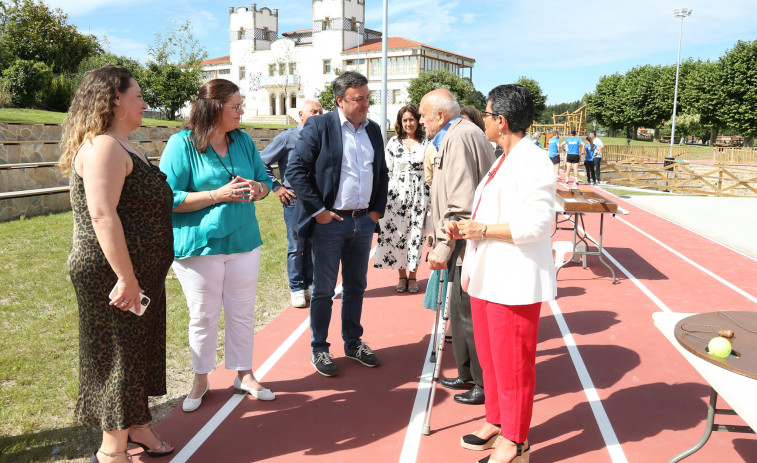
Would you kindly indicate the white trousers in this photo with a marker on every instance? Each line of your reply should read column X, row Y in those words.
column 209, row 283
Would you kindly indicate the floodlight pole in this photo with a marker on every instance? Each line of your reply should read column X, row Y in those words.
column 682, row 13
column 384, row 38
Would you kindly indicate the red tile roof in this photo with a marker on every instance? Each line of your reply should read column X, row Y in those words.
column 222, row 60
column 399, row 42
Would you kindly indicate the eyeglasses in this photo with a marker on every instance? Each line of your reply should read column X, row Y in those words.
column 485, row 113
column 235, row 107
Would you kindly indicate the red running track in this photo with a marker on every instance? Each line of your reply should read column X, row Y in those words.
column 610, row 387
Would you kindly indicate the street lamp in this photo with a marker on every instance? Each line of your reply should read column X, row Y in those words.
column 682, row 13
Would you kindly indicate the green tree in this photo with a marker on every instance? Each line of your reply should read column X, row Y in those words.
column 98, row 61
column 172, row 76
column 540, row 100
column 461, row 87
column 27, row 81
column 32, row 31
column 738, row 81
column 326, row 97
column 703, row 95
column 605, row 104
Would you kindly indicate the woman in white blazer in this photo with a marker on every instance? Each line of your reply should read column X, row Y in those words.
column 508, row 271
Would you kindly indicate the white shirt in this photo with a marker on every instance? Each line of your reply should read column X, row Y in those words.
column 598, row 150
column 521, row 194
column 356, row 181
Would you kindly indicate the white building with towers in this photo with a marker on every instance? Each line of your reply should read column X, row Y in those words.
column 277, row 71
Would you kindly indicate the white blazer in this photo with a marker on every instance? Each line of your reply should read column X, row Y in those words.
column 521, row 194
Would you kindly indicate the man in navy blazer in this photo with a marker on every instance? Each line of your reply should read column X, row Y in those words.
column 340, row 177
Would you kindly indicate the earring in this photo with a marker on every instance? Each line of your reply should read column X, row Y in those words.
column 126, row 113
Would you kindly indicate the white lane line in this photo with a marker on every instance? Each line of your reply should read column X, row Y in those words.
column 731, row 248
column 203, row 434
column 630, row 276
column 603, row 421
column 703, row 269
column 418, row 414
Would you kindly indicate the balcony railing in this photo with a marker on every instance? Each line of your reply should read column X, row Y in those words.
column 279, row 81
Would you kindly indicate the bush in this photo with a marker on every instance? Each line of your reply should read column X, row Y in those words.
column 58, row 97
column 27, row 81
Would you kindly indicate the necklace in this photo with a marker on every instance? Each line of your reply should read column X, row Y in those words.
column 232, row 174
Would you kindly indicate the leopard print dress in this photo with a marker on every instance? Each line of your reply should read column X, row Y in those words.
column 122, row 356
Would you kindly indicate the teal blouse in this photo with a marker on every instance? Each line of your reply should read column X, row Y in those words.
column 222, row 228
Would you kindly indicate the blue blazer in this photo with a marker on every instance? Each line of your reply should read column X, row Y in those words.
column 316, row 167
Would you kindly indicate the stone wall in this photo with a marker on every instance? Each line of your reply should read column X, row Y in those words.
column 35, row 143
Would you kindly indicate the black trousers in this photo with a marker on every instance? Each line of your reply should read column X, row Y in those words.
column 590, row 175
column 461, row 325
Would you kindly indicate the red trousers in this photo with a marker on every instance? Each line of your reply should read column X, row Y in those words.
column 506, row 344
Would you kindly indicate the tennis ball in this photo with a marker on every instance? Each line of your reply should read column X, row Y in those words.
column 719, row 347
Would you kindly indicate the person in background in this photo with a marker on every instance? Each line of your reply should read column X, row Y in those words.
column 121, row 252
column 572, row 148
column 463, row 158
column 553, row 145
column 400, row 239
column 535, row 139
column 341, row 180
column 299, row 254
column 472, row 114
column 591, row 176
column 216, row 174
column 508, row 271
column 597, row 155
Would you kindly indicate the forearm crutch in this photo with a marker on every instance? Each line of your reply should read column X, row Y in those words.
column 441, row 328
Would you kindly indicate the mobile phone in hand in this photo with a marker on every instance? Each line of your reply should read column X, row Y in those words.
column 144, row 301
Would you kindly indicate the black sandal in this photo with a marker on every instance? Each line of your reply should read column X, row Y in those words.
column 160, row 451
column 412, row 288
column 401, row 288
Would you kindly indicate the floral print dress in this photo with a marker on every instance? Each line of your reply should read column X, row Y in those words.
column 400, row 239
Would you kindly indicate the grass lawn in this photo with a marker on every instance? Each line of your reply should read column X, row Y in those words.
column 39, row 346
column 50, row 117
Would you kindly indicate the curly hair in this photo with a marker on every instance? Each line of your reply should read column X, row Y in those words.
column 206, row 111
column 91, row 110
column 419, row 134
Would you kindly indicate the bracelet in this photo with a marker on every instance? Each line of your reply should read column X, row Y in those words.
column 483, row 230
column 210, row 196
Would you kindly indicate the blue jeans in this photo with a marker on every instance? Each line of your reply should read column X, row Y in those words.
column 597, row 165
column 299, row 253
column 349, row 243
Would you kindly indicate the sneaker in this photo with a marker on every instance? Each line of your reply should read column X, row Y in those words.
column 309, row 292
column 323, row 364
column 363, row 354
column 298, row 299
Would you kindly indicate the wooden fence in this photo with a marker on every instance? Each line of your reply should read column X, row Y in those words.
column 682, row 176
column 735, row 156
column 617, row 152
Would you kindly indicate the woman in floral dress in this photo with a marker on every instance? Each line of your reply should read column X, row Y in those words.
column 401, row 229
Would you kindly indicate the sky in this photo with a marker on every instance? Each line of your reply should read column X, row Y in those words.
column 565, row 46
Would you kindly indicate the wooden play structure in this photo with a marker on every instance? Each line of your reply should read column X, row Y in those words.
column 563, row 123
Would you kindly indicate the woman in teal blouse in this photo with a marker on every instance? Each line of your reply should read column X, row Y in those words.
column 216, row 174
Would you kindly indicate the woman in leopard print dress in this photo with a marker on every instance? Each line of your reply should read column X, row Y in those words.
column 122, row 248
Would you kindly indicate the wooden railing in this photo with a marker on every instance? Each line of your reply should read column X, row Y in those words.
column 682, row 176
column 614, row 152
column 735, row 156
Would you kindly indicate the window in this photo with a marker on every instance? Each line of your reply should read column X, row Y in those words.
column 354, row 62
column 242, row 73
column 326, row 66
column 271, row 70
column 282, row 69
column 266, row 33
column 241, row 34
column 395, row 97
column 293, row 101
column 292, row 71
column 224, row 72
column 326, row 24
column 244, row 99
column 413, row 65
column 375, row 68
column 207, row 75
